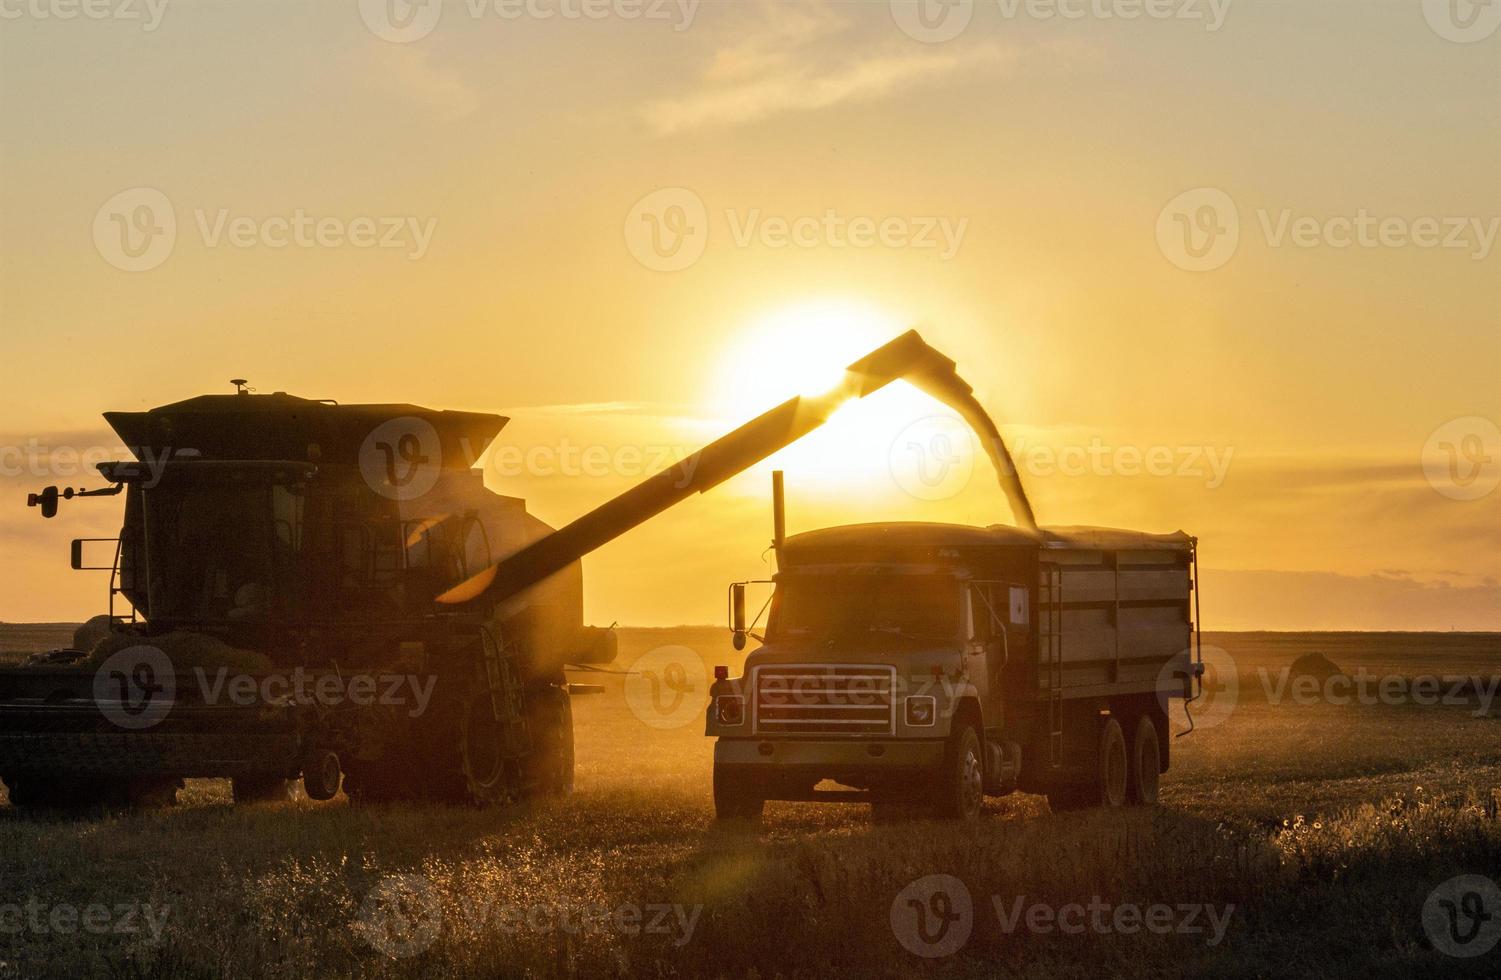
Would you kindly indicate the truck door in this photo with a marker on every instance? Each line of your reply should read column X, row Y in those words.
column 993, row 641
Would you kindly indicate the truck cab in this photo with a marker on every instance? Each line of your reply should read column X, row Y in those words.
column 932, row 665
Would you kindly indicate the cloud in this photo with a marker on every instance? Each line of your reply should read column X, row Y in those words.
column 801, row 57
column 405, row 71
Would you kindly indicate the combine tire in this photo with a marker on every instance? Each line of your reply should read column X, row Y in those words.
column 550, row 723
column 490, row 777
column 1146, row 763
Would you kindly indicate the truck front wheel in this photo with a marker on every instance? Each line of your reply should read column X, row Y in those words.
column 961, row 781
column 735, row 797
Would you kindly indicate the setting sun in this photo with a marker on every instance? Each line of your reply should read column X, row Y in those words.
column 803, row 349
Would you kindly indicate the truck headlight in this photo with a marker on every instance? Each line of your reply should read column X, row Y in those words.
column 729, row 709
column 922, row 711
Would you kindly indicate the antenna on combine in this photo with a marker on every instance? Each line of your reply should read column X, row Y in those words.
column 241, row 386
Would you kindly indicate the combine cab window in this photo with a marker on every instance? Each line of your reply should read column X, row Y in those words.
column 216, row 552
column 925, row 606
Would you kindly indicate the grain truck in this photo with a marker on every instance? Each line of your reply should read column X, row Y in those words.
column 931, row 665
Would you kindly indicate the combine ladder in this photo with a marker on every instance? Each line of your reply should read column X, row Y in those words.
column 1050, row 651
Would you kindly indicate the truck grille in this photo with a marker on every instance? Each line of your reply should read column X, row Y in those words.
column 825, row 699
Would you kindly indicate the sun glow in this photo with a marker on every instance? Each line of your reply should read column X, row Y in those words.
column 798, row 350
column 803, row 350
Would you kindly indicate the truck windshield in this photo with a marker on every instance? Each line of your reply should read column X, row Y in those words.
column 907, row 605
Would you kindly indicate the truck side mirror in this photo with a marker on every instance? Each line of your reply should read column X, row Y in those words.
column 47, row 500
column 77, row 554
column 737, row 614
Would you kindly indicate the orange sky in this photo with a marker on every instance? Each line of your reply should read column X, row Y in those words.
column 1235, row 273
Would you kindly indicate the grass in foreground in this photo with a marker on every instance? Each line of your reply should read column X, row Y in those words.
column 1325, row 828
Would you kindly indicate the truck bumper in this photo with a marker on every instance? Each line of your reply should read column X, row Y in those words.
column 829, row 757
column 791, row 769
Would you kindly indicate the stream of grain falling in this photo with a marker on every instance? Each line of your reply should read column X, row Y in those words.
column 953, row 392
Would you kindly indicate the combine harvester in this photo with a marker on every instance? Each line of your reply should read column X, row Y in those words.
column 352, row 551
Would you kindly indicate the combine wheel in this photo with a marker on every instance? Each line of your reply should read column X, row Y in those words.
column 490, row 778
column 321, row 775
column 550, row 723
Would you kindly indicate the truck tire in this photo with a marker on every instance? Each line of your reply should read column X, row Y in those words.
column 1108, row 775
column 1113, row 767
column 1146, row 763
column 960, row 790
column 260, row 789
column 736, row 798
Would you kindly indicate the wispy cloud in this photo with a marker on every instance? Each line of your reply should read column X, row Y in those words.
column 406, row 72
column 800, row 57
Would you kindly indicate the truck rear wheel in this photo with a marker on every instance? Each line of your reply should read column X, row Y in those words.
column 736, row 797
column 1108, row 775
column 961, row 781
column 1146, row 763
